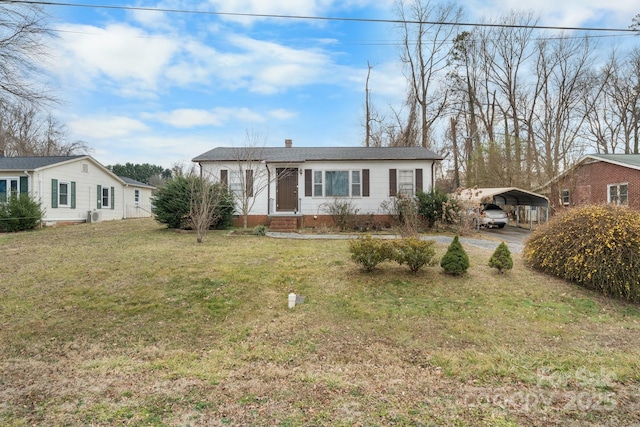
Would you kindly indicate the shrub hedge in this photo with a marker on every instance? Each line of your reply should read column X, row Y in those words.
column 597, row 247
column 413, row 252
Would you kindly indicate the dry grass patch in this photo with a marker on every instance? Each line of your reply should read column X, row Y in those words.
column 126, row 322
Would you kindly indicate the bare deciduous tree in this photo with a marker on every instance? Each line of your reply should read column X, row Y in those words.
column 23, row 33
column 205, row 199
column 24, row 131
column 426, row 36
column 562, row 72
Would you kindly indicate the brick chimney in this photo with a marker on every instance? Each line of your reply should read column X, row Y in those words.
column 288, row 143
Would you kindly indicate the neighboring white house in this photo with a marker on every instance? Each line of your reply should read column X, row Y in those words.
column 74, row 188
column 301, row 181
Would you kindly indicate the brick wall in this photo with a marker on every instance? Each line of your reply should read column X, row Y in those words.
column 588, row 184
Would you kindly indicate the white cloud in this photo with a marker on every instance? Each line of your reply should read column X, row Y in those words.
column 277, row 67
column 568, row 13
column 264, row 67
column 190, row 118
column 123, row 54
column 282, row 114
column 93, row 128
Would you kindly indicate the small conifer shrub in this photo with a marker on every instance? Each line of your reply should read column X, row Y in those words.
column 501, row 258
column 597, row 247
column 455, row 261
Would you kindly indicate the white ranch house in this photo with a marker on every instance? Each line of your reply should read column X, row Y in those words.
column 297, row 183
column 73, row 189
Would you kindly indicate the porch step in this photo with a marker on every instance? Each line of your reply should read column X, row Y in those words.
column 283, row 224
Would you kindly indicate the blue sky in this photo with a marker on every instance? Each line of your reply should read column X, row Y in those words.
column 162, row 88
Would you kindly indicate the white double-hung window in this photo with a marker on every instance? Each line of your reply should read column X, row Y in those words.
column 405, row 182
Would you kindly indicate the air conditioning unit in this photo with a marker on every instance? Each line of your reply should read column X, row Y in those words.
column 94, row 216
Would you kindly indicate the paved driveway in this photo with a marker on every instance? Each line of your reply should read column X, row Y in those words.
column 510, row 234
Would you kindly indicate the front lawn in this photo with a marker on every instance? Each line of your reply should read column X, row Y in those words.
column 129, row 323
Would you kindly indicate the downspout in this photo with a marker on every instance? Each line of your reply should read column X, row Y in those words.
column 433, row 174
column 266, row 165
column 124, row 199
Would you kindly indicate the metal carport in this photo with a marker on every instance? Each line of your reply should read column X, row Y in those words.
column 510, row 196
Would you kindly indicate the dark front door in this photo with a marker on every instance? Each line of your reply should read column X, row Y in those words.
column 287, row 189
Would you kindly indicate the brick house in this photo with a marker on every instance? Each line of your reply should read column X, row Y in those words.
column 597, row 179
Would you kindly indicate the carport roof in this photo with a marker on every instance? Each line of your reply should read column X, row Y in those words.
column 506, row 196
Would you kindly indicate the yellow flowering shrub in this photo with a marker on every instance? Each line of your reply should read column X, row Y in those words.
column 597, row 247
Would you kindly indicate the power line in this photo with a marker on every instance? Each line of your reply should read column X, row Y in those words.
column 316, row 18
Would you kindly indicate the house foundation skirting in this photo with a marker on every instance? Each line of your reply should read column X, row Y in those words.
column 311, row 221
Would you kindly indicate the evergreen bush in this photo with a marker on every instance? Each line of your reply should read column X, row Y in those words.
column 455, row 261
column 20, row 213
column 435, row 205
column 369, row 252
column 597, row 247
column 501, row 258
column 414, row 252
column 172, row 201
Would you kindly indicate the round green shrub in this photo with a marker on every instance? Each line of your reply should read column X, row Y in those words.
column 455, row 261
column 501, row 258
column 597, row 247
column 414, row 252
column 369, row 252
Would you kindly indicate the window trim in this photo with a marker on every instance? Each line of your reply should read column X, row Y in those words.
column 617, row 201
column 408, row 172
column 136, row 197
column 68, row 194
column 320, row 186
column 102, row 197
column 235, row 182
column 9, row 190
column 565, row 197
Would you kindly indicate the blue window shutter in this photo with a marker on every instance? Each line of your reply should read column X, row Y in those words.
column 54, row 193
column 99, row 205
column 113, row 198
column 24, row 185
column 73, row 195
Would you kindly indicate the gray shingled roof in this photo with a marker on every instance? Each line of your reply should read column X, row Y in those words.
column 31, row 163
column 134, row 182
column 632, row 160
column 302, row 154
